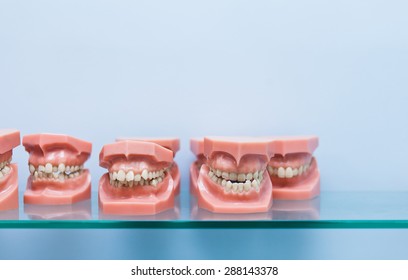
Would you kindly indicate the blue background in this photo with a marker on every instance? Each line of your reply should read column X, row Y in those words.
column 101, row 69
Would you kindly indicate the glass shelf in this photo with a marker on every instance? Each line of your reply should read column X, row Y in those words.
column 329, row 210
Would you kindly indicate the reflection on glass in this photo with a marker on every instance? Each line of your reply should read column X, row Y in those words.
column 9, row 214
column 77, row 211
column 289, row 210
column 171, row 214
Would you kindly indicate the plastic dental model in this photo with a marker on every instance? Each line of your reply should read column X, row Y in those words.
column 9, row 139
column 57, row 174
column 197, row 147
column 139, row 181
column 293, row 169
column 233, row 178
column 172, row 144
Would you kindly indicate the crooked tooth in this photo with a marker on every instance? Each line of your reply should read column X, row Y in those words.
column 228, row 186
column 281, row 172
column 32, row 168
column 61, row 167
column 289, row 172
column 233, row 176
column 247, row 185
column 145, row 174
column 130, row 176
column 121, row 175
column 48, row 168
column 241, row 177
column 138, row 177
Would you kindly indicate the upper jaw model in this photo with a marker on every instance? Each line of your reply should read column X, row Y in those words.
column 56, row 165
column 139, row 180
column 170, row 143
column 233, row 178
column 9, row 139
column 293, row 169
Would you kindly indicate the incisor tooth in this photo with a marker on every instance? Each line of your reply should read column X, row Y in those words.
column 233, row 176
column 224, row 175
column 228, row 186
column 281, row 172
column 247, row 185
column 138, row 177
column 289, row 172
column 241, row 177
column 48, row 168
column 145, row 174
column 61, row 167
column 234, row 187
column 249, row 176
column 121, row 176
column 130, row 176
column 240, row 187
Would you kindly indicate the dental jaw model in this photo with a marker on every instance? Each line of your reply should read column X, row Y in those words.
column 139, row 181
column 293, row 169
column 172, row 144
column 9, row 139
column 234, row 178
column 57, row 174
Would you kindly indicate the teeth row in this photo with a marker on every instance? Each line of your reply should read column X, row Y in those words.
column 236, row 187
column 4, row 163
column 142, row 182
column 48, row 168
column 144, row 178
column 288, row 172
column 4, row 168
column 240, row 177
column 55, row 175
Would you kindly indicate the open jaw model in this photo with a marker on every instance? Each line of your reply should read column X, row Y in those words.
column 139, row 181
column 170, row 143
column 293, row 169
column 197, row 147
column 57, row 174
column 9, row 139
column 233, row 178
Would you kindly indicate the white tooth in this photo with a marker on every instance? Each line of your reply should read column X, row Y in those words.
column 289, row 172
column 301, row 170
column 210, row 174
column 114, row 175
column 154, row 182
column 270, row 169
column 150, row 175
column 214, row 179
column 32, row 168
column 225, row 175
column 6, row 170
column 68, row 169
column 121, row 175
column 223, row 183
column 76, row 168
column 138, row 177
column 48, row 168
column 130, row 184
column 218, row 172
column 219, row 180
column 35, row 174
column 160, row 179
column 241, row 177
column 256, row 174
column 161, row 173
column 281, row 172
column 54, row 169
column 234, row 187
column 130, row 176
column 142, row 181
column 249, row 176
column 55, row 175
column 247, row 185
column 255, row 183
column 240, row 187
column 145, row 174
column 233, row 176
column 295, row 172
column 71, row 175
column 61, row 167
column 41, row 168
column 228, row 186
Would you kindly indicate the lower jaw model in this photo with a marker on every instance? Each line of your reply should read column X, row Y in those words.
column 56, row 165
column 9, row 139
column 139, row 181
column 233, row 178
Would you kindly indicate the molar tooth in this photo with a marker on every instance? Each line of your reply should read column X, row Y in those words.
column 137, row 177
column 130, row 176
column 295, row 172
column 41, row 168
column 249, row 176
column 234, row 187
column 281, row 172
column 145, row 174
column 233, row 176
column 241, row 177
column 289, row 172
column 240, row 187
column 225, row 175
column 160, row 179
column 255, row 183
column 121, row 175
column 210, row 174
column 154, row 182
column 214, row 178
column 161, row 173
column 32, row 168
column 48, row 168
column 61, row 167
column 247, row 185
column 228, row 186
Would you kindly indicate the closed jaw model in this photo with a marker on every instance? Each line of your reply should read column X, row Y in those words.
column 56, row 165
column 233, row 178
column 139, row 179
column 9, row 139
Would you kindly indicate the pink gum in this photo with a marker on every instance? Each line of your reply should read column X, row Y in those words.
column 9, row 139
column 129, row 204
column 71, row 191
column 9, row 189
